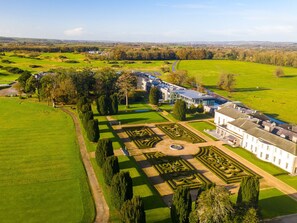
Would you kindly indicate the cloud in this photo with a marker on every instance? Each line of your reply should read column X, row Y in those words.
column 74, row 32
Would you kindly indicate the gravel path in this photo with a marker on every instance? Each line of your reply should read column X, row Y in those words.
column 102, row 210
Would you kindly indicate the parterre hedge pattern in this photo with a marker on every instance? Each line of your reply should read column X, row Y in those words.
column 179, row 132
column 176, row 171
column 224, row 166
column 142, row 136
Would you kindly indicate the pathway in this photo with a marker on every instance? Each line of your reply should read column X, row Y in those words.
column 102, row 210
column 173, row 68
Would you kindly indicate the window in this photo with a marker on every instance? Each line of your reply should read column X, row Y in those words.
column 267, row 156
column 288, row 156
column 287, row 165
column 274, row 158
column 251, row 147
column 279, row 161
column 261, row 154
column 255, row 149
column 246, row 145
column 267, row 148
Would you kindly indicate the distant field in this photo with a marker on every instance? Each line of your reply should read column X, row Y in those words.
column 47, row 61
column 256, row 85
column 42, row 178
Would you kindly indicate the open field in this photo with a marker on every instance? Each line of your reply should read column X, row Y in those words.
column 42, row 176
column 256, row 85
column 47, row 61
column 268, row 199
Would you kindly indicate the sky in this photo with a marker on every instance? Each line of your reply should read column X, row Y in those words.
column 151, row 20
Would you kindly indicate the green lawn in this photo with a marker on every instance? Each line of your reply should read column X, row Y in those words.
column 42, row 176
column 256, row 84
column 273, row 203
column 138, row 114
column 200, row 126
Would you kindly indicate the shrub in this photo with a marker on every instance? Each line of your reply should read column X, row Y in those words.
column 104, row 150
column 102, row 105
column 80, row 102
column 200, row 108
column 154, row 96
column 93, row 130
column 279, row 72
column 114, row 104
column 121, row 189
column 248, row 194
column 86, row 117
column 133, row 211
column 181, row 205
column 110, row 168
column 179, row 110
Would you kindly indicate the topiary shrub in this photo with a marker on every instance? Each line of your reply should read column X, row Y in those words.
column 181, row 205
column 248, row 194
column 180, row 110
column 86, row 117
column 103, row 105
column 154, row 96
column 110, row 168
column 133, row 211
column 114, row 104
column 93, row 130
column 104, row 150
column 121, row 189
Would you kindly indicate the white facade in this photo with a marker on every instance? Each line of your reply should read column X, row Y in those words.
column 252, row 137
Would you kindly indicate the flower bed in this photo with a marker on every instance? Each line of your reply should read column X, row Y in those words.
column 142, row 136
column 179, row 132
column 176, row 171
column 224, row 166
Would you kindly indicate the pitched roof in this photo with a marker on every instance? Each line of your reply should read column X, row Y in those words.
column 275, row 140
column 232, row 112
column 244, row 124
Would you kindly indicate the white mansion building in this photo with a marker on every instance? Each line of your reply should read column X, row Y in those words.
column 255, row 132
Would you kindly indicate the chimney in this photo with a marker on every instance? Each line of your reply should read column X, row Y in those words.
column 294, row 138
column 267, row 128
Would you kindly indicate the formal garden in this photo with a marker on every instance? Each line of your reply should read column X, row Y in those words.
column 178, row 132
column 143, row 136
column 176, row 171
column 224, row 166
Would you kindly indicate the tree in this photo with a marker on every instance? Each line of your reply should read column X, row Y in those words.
column 127, row 84
column 226, row 82
column 251, row 216
column 192, row 109
column 114, row 104
column 214, row 206
column 181, row 205
column 86, row 117
column 179, row 110
column 154, row 96
column 279, row 72
column 121, row 189
column 31, row 84
column 110, row 168
column 133, row 211
column 23, row 78
column 104, row 149
column 200, row 108
column 105, row 81
column 248, row 194
column 93, row 130
column 83, row 81
column 103, row 105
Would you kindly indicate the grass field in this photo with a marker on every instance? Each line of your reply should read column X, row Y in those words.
column 268, row 199
column 47, row 61
column 256, row 84
column 42, row 178
column 138, row 114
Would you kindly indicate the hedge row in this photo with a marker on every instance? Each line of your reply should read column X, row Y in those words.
column 142, row 136
column 221, row 164
column 178, row 132
column 176, row 171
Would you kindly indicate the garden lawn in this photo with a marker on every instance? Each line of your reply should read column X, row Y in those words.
column 273, row 203
column 42, row 178
column 138, row 114
column 200, row 126
column 256, row 85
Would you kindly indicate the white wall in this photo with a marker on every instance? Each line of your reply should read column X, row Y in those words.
column 221, row 119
